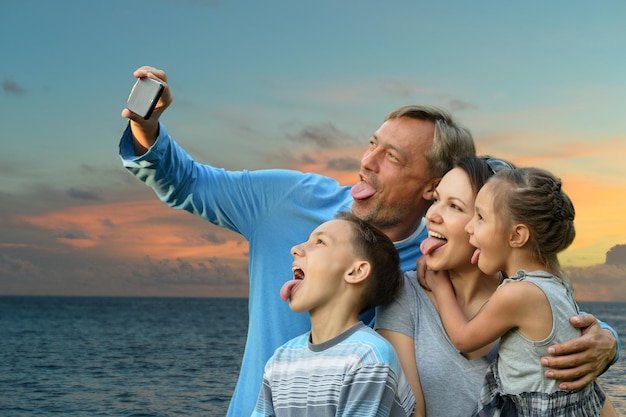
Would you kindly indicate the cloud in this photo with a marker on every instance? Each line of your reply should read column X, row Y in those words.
column 68, row 274
column 208, row 271
column 355, row 91
column 15, row 267
column 343, row 164
column 459, row 105
column 305, row 159
column 84, row 194
column 323, row 136
column 107, row 223
column 599, row 282
column 71, row 234
column 616, row 255
column 212, row 237
column 11, row 87
column 603, row 282
column 399, row 89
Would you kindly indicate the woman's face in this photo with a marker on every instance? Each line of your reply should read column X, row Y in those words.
column 448, row 244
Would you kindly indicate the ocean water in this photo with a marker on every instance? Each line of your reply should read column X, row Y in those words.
column 136, row 357
column 119, row 356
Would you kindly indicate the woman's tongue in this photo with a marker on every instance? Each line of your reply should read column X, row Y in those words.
column 362, row 190
column 431, row 244
column 288, row 288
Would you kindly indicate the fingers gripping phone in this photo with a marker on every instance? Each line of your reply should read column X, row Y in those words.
column 144, row 97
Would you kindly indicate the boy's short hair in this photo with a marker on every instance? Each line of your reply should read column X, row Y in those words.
column 386, row 277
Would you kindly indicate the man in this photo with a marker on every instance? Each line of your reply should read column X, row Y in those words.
column 276, row 209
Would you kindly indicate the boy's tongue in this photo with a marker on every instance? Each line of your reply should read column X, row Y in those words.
column 475, row 256
column 288, row 288
column 362, row 190
column 430, row 244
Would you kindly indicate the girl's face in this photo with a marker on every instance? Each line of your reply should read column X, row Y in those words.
column 448, row 244
column 488, row 233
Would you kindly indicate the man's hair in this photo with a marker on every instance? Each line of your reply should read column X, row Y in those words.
column 451, row 142
column 386, row 278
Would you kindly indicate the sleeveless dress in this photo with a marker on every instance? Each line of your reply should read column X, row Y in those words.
column 517, row 368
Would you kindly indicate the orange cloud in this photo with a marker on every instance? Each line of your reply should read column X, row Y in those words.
column 131, row 230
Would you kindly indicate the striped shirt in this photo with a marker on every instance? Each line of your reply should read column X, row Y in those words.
column 356, row 373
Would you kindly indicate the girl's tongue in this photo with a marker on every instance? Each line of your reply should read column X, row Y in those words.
column 475, row 256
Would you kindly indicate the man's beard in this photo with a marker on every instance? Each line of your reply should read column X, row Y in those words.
column 380, row 216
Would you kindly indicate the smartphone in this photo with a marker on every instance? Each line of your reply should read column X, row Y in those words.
column 144, row 96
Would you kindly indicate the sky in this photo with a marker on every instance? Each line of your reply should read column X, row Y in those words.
column 284, row 84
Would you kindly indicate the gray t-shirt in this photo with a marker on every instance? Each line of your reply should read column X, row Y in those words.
column 451, row 383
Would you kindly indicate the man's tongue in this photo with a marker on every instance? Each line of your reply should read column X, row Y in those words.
column 288, row 288
column 362, row 190
column 475, row 256
column 430, row 244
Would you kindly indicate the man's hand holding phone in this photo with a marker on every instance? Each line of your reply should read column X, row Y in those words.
column 144, row 97
column 149, row 97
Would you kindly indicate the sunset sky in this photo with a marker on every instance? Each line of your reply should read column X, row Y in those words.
column 287, row 84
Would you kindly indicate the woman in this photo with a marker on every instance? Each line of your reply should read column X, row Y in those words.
column 451, row 381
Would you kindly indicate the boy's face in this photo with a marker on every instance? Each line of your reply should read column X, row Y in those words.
column 320, row 265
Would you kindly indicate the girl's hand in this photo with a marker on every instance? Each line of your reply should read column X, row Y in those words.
column 438, row 281
column 421, row 268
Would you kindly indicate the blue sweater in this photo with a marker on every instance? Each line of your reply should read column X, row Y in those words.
column 274, row 210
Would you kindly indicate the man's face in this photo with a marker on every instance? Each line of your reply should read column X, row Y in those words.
column 394, row 176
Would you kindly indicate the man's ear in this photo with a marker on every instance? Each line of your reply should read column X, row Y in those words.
column 519, row 235
column 359, row 271
column 429, row 189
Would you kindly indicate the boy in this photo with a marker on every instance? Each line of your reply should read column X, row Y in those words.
column 341, row 367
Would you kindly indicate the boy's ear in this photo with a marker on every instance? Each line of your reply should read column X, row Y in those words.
column 519, row 235
column 359, row 272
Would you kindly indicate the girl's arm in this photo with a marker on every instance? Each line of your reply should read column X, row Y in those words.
column 506, row 309
column 405, row 349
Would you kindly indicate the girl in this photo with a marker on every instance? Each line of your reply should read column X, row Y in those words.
column 522, row 220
